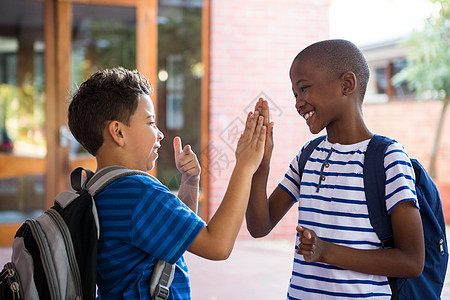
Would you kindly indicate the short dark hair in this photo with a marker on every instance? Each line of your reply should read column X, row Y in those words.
column 108, row 95
column 339, row 56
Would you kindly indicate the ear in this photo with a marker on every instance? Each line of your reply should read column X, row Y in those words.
column 349, row 83
column 115, row 131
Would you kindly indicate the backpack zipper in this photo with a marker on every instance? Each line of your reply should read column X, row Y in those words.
column 56, row 217
column 47, row 261
column 12, row 278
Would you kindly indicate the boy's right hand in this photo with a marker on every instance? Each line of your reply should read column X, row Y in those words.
column 262, row 106
column 250, row 147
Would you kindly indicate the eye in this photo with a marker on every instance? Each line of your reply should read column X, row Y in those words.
column 303, row 88
column 295, row 96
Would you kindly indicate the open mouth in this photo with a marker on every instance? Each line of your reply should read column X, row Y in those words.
column 308, row 115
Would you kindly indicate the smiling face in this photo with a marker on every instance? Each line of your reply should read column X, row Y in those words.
column 317, row 95
column 142, row 136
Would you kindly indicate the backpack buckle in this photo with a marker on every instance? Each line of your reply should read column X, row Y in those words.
column 161, row 292
column 387, row 243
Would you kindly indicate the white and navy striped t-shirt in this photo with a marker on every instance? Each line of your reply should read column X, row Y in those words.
column 333, row 204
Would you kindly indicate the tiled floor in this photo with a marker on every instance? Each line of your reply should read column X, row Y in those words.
column 257, row 269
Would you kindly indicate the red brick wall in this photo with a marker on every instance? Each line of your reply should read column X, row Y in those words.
column 252, row 47
column 413, row 124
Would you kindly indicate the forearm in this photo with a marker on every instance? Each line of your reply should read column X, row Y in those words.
column 258, row 210
column 189, row 191
column 225, row 224
column 385, row 262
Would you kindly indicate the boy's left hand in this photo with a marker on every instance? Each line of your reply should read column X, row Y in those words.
column 185, row 159
column 310, row 246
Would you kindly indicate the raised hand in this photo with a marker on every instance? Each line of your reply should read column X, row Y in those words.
column 185, row 159
column 250, row 147
column 262, row 106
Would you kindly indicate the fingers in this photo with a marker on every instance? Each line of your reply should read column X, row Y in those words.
column 185, row 159
column 304, row 233
column 259, row 127
column 258, row 105
column 266, row 112
column 187, row 149
column 307, row 244
column 262, row 106
column 251, row 124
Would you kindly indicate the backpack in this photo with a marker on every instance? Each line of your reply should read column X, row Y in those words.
column 55, row 255
column 429, row 284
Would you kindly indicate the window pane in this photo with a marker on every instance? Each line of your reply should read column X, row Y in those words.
column 22, row 111
column 103, row 37
column 179, row 81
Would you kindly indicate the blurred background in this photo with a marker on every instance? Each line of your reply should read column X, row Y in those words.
column 209, row 61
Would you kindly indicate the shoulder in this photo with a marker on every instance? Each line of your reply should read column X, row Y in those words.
column 134, row 186
column 396, row 153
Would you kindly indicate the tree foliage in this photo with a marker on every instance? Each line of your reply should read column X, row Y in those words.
column 428, row 69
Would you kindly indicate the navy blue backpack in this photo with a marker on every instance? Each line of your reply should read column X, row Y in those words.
column 429, row 284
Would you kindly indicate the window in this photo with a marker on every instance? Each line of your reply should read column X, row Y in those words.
column 179, row 81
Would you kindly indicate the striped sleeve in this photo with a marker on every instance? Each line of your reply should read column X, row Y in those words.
column 400, row 178
column 162, row 225
column 290, row 183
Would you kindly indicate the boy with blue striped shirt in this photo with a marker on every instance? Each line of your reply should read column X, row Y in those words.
column 141, row 221
column 338, row 255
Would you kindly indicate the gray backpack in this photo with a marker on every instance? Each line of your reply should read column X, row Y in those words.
column 55, row 255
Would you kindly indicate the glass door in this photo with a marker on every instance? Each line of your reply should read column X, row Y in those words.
column 22, row 111
column 103, row 36
column 46, row 48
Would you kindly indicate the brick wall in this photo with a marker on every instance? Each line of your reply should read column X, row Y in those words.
column 413, row 124
column 252, row 47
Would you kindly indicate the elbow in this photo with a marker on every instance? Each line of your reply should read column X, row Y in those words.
column 257, row 231
column 222, row 254
column 415, row 270
column 256, row 234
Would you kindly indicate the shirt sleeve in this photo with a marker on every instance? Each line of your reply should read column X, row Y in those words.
column 290, row 183
column 400, row 177
column 162, row 225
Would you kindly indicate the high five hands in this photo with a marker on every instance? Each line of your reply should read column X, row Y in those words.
column 262, row 107
column 250, row 147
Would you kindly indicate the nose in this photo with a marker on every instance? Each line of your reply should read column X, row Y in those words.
column 299, row 102
column 160, row 135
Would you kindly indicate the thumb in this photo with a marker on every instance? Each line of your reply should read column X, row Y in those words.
column 303, row 232
column 177, row 145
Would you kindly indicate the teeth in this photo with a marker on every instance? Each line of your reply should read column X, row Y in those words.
column 308, row 115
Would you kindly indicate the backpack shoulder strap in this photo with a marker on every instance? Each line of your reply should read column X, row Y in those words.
column 374, row 186
column 106, row 176
column 163, row 272
column 306, row 153
column 76, row 178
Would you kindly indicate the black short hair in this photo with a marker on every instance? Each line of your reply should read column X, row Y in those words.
column 339, row 56
column 108, row 95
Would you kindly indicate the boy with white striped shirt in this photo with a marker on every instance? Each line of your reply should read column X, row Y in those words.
column 338, row 253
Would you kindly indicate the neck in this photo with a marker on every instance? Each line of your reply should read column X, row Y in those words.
column 351, row 131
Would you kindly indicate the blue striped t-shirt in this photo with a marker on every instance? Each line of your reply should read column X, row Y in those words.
column 333, row 204
column 141, row 221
